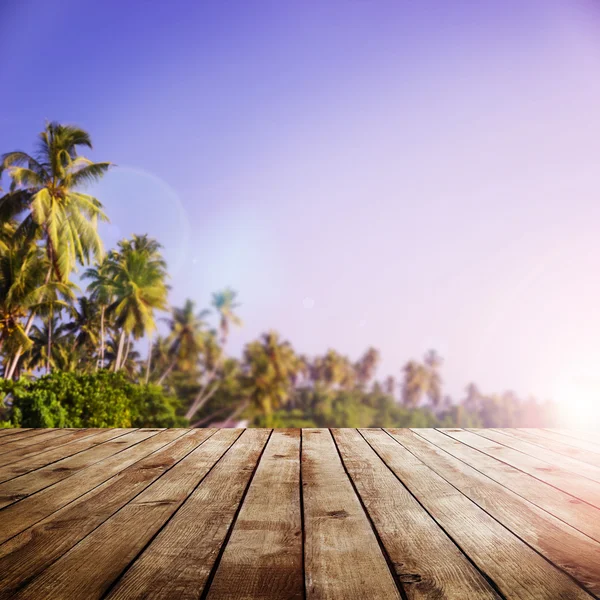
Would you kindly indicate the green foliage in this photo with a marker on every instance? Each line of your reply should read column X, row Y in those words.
column 48, row 226
column 101, row 399
column 151, row 407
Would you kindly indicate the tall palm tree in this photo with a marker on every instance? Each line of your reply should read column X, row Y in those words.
column 433, row 363
column 415, row 383
column 101, row 290
column 43, row 351
column 423, row 379
column 333, row 370
column 389, row 385
column 84, row 324
column 128, row 361
column 366, row 366
column 187, row 337
column 269, row 367
column 224, row 303
column 22, row 273
column 58, row 296
column 140, row 289
column 47, row 186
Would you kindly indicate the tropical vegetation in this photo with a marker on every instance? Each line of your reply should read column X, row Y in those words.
column 70, row 345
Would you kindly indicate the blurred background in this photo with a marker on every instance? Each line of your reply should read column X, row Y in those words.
column 391, row 208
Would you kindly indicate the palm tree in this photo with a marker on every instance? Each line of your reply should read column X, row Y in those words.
column 84, row 324
column 22, row 272
column 366, row 366
column 473, row 400
column 389, row 385
column 101, row 290
column 415, row 383
column 139, row 289
column 423, row 380
column 187, row 337
column 129, row 361
column 269, row 366
column 46, row 185
column 334, row 371
column 58, row 296
column 43, row 352
column 224, row 303
column 433, row 363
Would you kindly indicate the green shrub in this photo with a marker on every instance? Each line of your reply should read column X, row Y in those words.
column 100, row 399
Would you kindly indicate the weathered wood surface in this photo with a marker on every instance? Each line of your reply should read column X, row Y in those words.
column 292, row 514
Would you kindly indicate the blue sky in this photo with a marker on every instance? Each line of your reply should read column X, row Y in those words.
column 393, row 173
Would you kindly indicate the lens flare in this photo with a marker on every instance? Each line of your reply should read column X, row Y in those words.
column 578, row 398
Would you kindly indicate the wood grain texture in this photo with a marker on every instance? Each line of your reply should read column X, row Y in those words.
column 578, row 514
column 56, row 444
column 260, row 514
column 561, row 544
column 24, row 485
column 53, row 455
column 577, row 486
column 549, row 456
column 546, row 440
column 178, row 562
column 427, row 562
column 122, row 515
column 263, row 558
column 342, row 554
column 30, row 444
column 586, row 440
column 34, row 508
column 517, row 570
column 4, row 433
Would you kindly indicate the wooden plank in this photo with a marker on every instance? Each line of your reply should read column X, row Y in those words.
column 44, row 459
column 24, row 557
column 544, row 454
column 24, row 443
column 263, row 558
column 538, row 437
column 575, row 485
column 178, row 562
column 120, row 539
column 586, row 440
column 20, row 434
column 58, row 443
column 578, row 514
column 30, row 510
column 426, row 560
column 516, row 569
column 561, row 544
column 5, row 433
column 24, row 485
column 342, row 554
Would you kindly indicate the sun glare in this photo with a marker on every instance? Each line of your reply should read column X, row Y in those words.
column 579, row 402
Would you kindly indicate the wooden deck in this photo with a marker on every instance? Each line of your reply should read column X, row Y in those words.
column 282, row 514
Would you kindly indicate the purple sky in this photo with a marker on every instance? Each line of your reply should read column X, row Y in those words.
column 402, row 174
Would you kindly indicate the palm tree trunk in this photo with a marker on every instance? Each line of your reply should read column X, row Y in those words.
column 209, row 418
column 28, row 325
column 169, row 369
column 200, row 400
column 149, row 359
column 49, row 349
column 119, row 351
column 127, row 348
column 236, row 412
column 101, row 338
column 17, row 356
